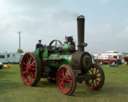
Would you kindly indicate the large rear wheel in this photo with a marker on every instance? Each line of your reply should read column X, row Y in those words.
column 30, row 68
column 96, row 77
column 66, row 81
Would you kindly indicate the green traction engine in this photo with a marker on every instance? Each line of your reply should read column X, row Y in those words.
column 62, row 64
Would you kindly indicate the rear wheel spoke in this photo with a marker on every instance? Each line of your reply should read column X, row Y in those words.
column 68, row 79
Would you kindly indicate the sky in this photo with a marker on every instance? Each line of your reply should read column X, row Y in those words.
column 106, row 25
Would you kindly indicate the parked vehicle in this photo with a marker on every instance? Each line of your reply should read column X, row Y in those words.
column 10, row 57
column 1, row 65
column 126, row 59
column 109, row 57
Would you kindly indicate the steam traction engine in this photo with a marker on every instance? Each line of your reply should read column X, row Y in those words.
column 61, row 63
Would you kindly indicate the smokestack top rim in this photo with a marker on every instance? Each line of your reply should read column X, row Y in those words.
column 80, row 17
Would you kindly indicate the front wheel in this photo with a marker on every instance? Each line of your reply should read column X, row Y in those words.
column 66, row 81
column 95, row 80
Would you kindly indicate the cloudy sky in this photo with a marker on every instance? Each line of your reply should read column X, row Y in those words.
column 106, row 23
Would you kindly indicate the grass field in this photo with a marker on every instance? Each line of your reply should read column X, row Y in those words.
column 114, row 90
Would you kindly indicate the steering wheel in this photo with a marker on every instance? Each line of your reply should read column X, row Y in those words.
column 54, row 44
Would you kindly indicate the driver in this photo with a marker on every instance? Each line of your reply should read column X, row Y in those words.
column 39, row 44
column 69, row 40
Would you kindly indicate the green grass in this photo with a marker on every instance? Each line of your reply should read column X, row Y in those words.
column 115, row 88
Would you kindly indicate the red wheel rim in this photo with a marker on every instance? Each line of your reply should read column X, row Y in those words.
column 28, row 71
column 65, row 80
